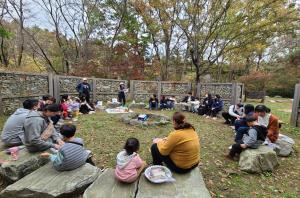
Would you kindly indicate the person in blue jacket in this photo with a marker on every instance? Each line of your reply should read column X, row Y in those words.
column 84, row 89
column 217, row 106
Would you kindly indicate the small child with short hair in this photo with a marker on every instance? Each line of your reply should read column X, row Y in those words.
column 72, row 154
column 129, row 164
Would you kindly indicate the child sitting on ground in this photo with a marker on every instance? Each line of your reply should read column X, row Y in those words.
column 256, row 136
column 72, row 154
column 74, row 108
column 129, row 164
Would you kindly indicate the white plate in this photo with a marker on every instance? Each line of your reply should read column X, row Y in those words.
column 167, row 178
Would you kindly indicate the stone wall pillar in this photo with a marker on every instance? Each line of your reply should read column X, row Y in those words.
column 295, row 117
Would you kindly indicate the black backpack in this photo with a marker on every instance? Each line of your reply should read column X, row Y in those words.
column 201, row 110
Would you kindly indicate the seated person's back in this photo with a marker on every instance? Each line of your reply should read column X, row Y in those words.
column 72, row 154
column 13, row 130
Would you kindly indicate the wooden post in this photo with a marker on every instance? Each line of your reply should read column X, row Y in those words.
column 50, row 84
column 94, row 89
column 131, row 90
column 159, row 87
column 198, row 91
column 234, row 99
column 1, row 106
column 296, row 106
column 56, row 88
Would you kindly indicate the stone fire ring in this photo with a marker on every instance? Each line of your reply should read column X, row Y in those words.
column 153, row 119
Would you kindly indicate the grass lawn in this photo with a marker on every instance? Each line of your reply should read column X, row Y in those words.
column 105, row 135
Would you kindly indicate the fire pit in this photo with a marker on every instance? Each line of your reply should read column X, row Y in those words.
column 149, row 119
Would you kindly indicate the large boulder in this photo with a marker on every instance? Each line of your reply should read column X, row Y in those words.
column 189, row 185
column 284, row 145
column 46, row 182
column 258, row 160
column 153, row 119
column 106, row 186
column 137, row 106
column 13, row 170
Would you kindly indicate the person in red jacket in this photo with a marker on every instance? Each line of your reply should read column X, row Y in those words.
column 265, row 118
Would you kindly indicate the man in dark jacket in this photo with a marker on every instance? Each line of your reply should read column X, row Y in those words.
column 84, row 90
column 188, row 98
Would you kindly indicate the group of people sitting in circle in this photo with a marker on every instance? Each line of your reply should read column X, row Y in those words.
column 165, row 103
column 34, row 126
column 180, row 151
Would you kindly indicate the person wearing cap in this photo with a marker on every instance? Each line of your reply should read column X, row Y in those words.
column 235, row 112
column 84, row 90
column 121, row 95
column 255, row 136
column 265, row 118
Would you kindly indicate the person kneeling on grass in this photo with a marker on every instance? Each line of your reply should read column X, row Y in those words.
column 72, row 154
column 129, row 164
column 256, row 136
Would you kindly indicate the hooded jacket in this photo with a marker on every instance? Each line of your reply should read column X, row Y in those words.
column 123, row 159
column 13, row 127
column 34, row 125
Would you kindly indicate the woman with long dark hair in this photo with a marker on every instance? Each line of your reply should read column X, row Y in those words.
column 180, row 151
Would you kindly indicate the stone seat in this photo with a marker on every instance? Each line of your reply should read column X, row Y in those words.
column 27, row 162
column 113, row 105
column 258, row 160
column 46, row 182
column 189, row 185
column 106, row 186
column 137, row 106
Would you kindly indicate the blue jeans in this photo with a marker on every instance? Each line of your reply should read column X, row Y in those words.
column 240, row 133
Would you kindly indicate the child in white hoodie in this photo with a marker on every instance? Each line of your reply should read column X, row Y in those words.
column 129, row 164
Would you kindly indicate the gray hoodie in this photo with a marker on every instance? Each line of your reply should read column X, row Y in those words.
column 13, row 127
column 35, row 124
column 123, row 159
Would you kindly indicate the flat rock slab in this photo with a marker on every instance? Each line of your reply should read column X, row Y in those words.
column 113, row 105
column 189, row 185
column 46, row 182
column 106, row 186
column 137, row 106
column 27, row 163
column 258, row 160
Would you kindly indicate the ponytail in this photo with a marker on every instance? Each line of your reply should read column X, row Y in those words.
column 180, row 123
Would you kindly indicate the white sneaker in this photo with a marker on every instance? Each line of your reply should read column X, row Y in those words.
column 230, row 147
column 214, row 118
column 207, row 117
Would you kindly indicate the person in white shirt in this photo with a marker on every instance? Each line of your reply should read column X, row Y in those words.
column 235, row 112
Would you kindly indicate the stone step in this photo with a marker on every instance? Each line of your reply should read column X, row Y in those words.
column 258, row 160
column 106, row 186
column 189, row 185
column 46, row 182
column 27, row 162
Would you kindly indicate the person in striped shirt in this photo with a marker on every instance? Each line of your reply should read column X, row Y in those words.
column 72, row 154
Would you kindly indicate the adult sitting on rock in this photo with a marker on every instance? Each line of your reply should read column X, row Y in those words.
column 180, row 151
column 268, row 120
column 13, row 131
column 235, row 113
column 39, row 132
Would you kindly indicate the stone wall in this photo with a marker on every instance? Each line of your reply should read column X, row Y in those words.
column 17, row 87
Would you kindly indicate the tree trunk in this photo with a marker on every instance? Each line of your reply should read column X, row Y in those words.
column 21, row 35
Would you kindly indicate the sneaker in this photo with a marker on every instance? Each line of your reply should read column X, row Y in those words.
column 230, row 147
column 207, row 117
column 214, row 118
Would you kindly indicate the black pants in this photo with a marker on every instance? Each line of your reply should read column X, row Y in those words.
column 236, row 149
column 158, row 159
column 214, row 112
column 229, row 119
column 121, row 97
column 86, row 96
